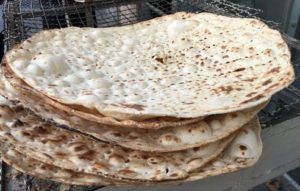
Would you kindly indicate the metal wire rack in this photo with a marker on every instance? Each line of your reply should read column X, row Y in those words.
column 23, row 18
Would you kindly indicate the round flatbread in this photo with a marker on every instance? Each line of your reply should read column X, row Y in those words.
column 166, row 139
column 87, row 115
column 243, row 152
column 73, row 151
column 184, row 65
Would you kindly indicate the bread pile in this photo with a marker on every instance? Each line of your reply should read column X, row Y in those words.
column 172, row 99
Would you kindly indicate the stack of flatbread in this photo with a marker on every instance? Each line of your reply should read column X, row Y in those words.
column 168, row 100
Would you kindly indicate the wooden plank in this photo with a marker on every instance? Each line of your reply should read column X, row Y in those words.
column 281, row 153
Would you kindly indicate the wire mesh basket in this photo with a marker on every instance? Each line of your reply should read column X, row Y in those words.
column 23, row 18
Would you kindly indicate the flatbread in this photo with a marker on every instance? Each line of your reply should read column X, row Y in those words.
column 167, row 139
column 183, row 65
column 242, row 153
column 28, row 165
column 73, row 151
column 231, row 160
column 153, row 123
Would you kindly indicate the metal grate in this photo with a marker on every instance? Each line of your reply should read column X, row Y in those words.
column 26, row 17
column 23, row 18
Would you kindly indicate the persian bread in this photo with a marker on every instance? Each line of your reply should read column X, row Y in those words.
column 154, row 123
column 31, row 166
column 184, row 65
column 243, row 152
column 209, row 130
column 73, row 151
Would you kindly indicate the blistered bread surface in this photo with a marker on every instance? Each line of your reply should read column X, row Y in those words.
column 74, row 151
column 166, row 139
column 181, row 65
